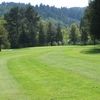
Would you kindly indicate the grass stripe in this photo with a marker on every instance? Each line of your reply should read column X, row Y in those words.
column 50, row 73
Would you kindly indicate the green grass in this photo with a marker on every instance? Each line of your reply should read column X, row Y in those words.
column 50, row 73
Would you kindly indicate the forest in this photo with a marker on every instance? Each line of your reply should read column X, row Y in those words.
column 23, row 25
column 64, row 15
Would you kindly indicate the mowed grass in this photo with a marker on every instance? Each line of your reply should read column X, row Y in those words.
column 50, row 73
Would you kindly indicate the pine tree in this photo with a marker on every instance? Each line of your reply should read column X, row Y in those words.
column 41, row 34
column 32, row 19
column 13, row 21
column 51, row 34
column 22, row 26
column 59, row 34
column 92, row 19
column 84, row 34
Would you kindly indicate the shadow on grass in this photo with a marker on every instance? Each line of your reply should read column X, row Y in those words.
column 91, row 51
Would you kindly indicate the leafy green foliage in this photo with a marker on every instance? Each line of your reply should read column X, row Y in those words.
column 92, row 19
column 3, row 33
column 74, row 33
column 84, row 33
column 55, row 21
column 25, row 30
column 32, row 19
column 22, row 26
column 51, row 33
column 13, row 21
column 42, row 35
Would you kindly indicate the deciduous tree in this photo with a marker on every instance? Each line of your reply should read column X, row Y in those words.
column 73, row 33
column 3, row 33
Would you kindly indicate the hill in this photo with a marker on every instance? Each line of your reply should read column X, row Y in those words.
column 49, row 13
column 64, row 14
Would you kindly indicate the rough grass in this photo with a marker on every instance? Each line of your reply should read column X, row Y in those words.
column 50, row 73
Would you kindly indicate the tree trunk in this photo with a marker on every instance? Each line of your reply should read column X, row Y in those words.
column 74, row 42
column 0, row 43
column 94, row 42
column 51, row 43
column 0, row 47
column 58, row 43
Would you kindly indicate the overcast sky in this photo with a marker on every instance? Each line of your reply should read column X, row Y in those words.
column 56, row 3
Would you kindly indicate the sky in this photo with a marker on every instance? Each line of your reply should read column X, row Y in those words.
column 56, row 3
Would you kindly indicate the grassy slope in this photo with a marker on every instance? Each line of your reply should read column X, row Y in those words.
column 50, row 73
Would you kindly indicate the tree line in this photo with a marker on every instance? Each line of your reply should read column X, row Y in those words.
column 65, row 15
column 24, row 27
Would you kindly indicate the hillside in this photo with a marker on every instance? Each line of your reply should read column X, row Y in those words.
column 64, row 14
column 49, row 13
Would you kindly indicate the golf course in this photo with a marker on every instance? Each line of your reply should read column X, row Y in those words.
column 50, row 73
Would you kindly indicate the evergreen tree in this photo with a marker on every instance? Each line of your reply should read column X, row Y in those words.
column 23, row 37
column 32, row 19
column 59, row 34
column 41, row 34
column 92, row 19
column 63, row 14
column 51, row 33
column 22, row 26
column 84, row 34
column 13, row 22
column 81, row 23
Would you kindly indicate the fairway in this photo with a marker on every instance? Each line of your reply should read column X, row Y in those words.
column 50, row 73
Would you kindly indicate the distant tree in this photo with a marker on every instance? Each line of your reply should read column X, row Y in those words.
column 32, row 19
column 63, row 14
column 65, row 35
column 42, row 36
column 51, row 34
column 82, row 23
column 13, row 23
column 23, row 36
column 58, row 34
column 73, row 36
column 84, row 34
column 3, row 33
